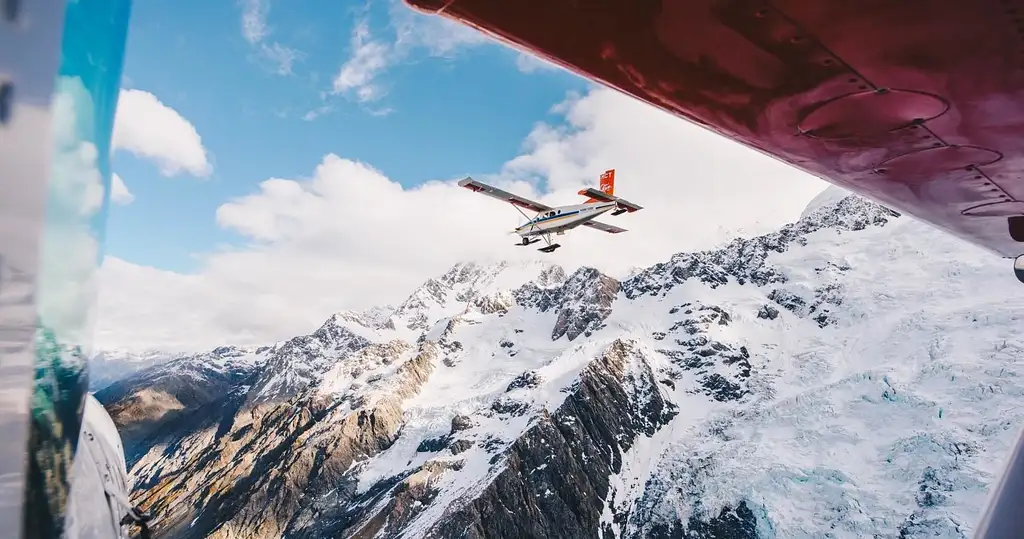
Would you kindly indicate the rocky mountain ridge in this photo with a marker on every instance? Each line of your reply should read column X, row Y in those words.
column 829, row 379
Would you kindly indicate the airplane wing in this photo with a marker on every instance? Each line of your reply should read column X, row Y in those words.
column 494, row 192
column 908, row 117
column 603, row 227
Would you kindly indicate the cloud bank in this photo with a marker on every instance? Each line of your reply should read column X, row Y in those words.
column 347, row 237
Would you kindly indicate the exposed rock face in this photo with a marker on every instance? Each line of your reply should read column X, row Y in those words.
column 259, row 475
column 165, row 397
column 583, row 301
column 299, row 362
column 831, row 380
column 744, row 260
column 723, row 368
column 556, row 475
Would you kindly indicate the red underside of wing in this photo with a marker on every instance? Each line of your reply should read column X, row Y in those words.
column 918, row 104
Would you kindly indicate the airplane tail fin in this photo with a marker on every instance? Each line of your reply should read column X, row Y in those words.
column 607, row 187
column 608, row 182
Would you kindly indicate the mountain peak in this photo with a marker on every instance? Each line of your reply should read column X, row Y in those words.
column 829, row 196
column 745, row 259
column 464, row 272
column 464, row 285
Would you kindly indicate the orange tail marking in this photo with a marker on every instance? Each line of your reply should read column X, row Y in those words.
column 607, row 186
column 608, row 181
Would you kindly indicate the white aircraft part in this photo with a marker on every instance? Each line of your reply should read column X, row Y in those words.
column 99, row 478
column 564, row 218
column 612, row 229
column 601, row 195
column 494, row 192
column 557, row 220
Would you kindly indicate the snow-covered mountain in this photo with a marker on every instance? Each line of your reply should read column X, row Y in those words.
column 852, row 375
column 108, row 366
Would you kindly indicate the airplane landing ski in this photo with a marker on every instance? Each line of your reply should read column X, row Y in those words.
column 550, row 248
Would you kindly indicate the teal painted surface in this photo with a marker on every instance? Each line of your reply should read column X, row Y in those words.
column 85, row 99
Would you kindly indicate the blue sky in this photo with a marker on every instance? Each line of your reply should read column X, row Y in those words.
column 287, row 160
column 444, row 106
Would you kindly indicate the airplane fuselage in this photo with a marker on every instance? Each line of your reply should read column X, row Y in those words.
column 563, row 218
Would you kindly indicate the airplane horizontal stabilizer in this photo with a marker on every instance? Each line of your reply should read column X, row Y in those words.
column 601, row 196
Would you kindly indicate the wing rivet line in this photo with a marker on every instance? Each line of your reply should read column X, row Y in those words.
column 870, row 113
column 895, row 119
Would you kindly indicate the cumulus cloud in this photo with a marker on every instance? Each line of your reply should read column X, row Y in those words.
column 349, row 237
column 119, row 193
column 152, row 130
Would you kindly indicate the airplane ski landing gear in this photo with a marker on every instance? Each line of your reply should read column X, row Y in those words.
column 550, row 248
column 1018, row 268
column 527, row 241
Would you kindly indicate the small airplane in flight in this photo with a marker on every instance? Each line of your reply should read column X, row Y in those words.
column 560, row 219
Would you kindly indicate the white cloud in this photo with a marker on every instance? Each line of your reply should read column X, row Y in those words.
column 317, row 112
column 150, row 129
column 439, row 36
column 409, row 33
column 254, row 20
column 349, row 237
column 368, row 59
column 276, row 57
column 528, row 63
column 119, row 193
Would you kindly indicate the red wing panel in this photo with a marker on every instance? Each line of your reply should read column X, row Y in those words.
column 918, row 104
